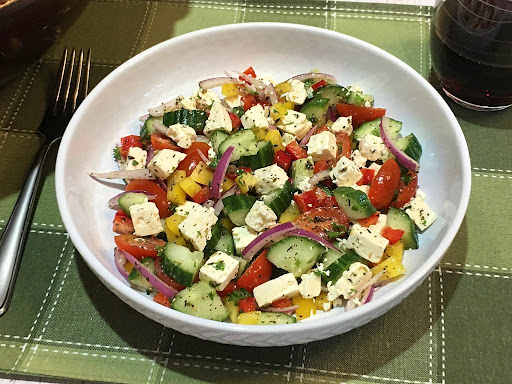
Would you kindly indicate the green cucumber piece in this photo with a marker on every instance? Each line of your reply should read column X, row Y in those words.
column 217, row 138
column 274, row 318
column 138, row 281
column 263, row 158
column 372, row 128
column 334, row 92
column 359, row 99
column 181, row 263
column 129, row 199
column 354, row 203
column 280, row 199
column 194, row 118
column 410, row 146
column 244, row 142
column 301, row 169
column 295, row 254
column 398, row 219
column 316, row 110
column 217, row 231
column 147, row 128
column 200, row 300
column 237, row 207
column 242, row 263
column 226, row 243
column 335, row 263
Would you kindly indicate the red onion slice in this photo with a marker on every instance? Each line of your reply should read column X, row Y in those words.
column 144, row 174
column 168, row 106
column 162, row 184
column 143, row 118
column 203, row 157
column 120, row 261
column 253, row 81
column 217, row 82
column 202, row 139
column 159, row 285
column 160, row 127
column 151, row 154
column 113, row 203
column 407, row 161
column 220, row 172
column 266, row 237
column 286, row 310
column 318, row 177
column 306, row 138
column 332, row 114
column 368, row 296
column 313, row 75
column 313, row 236
column 270, row 91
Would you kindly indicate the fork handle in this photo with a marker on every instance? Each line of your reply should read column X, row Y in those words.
column 13, row 239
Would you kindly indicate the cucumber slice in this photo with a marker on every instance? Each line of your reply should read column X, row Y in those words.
column 316, row 110
column 334, row 92
column 398, row 219
column 295, row 254
column 181, row 263
column 263, row 158
column 243, row 141
column 147, row 129
column 200, row 300
column 242, row 264
column 217, row 231
column 301, row 169
column 194, row 118
column 335, row 263
column 129, row 199
column 138, row 281
column 239, row 111
column 237, row 207
column 359, row 99
column 273, row 318
column 280, row 199
column 410, row 146
column 372, row 128
column 354, row 203
column 217, row 138
column 226, row 243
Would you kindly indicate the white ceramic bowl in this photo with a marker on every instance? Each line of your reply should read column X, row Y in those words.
column 174, row 67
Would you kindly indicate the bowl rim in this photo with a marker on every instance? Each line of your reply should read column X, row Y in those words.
column 126, row 293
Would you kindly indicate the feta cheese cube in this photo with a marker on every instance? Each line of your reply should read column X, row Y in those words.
column 218, row 119
column 362, row 188
column 270, row 178
column 205, row 99
column 358, row 159
column 420, row 193
column 345, row 173
column 310, row 285
column 255, row 117
column 295, row 123
column 420, row 212
column 348, row 283
column 355, row 88
column 219, row 270
column 304, row 184
column 288, row 138
column 183, row 135
column 233, row 101
column 197, row 226
column 275, row 289
column 342, row 124
column 211, row 153
column 375, row 167
column 136, row 158
column 165, row 162
column 188, row 103
column 242, row 236
column 266, row 79
column 146, row 219
column 184, row 210
column 298, row 92
column 380, row 224
column 367, row 243
column 260, row 217
column 322, row 146
column 373, row 148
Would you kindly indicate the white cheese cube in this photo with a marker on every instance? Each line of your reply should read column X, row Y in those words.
column 420, row 193
column 375, row 167
column 373, row 148
column 146, row 219
column 136, row 158
column 347, row 284
column 242, row 236
column 219, row 270
column 304, row 184
column 260, row 217
column 275, row 289
column 322, row 146
column 345, row 173
column 211, row 153
column 165, row 162
column 420, row 213
column 218, row 119
column 184, row 210
column 255, row 117
column 266, row 78
column 367, row 243
column 342, row 124
column 270, row 178
column 355, row 88
column 310, row 285
column 183, row 135
column 197, row 226
column 288, row 138
column 188, row 103
column 295, row 123
column 298, row 92
column 358, row 159
column 205, row 99
column 362, row 188
column 233, row 101
column 380, row 224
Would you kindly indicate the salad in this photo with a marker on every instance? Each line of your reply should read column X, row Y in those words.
column 269, row 204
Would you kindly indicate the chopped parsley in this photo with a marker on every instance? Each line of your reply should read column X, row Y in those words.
column 135, row 162
column 211, row 295
column 239, row 294
column 220, row 265
column 117, row 154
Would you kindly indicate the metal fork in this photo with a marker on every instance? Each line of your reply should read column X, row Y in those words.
column 52, row 128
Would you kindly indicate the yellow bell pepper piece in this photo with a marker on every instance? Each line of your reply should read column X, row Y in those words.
column 176, row 194
column 289, row 104
column 232, row 309
column 228, row 224
column 306, row 308
column 396, row 250
column 290, row 214
column 173, row 238
column 172, row 223
column 249, row 318
column 283, row 87
column 128, row 267
column 277, row 111
column 202, row 174
column 320, row 300
column 229, row 90
column 190, row 186
column 391, row 267
column 259, row 132
column 274, row 136
column 227, row 184
column 246, row 182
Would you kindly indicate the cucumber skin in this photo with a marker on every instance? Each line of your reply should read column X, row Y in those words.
column 272, row 318
column 340, row 265
column 280, row 200
column 263, row 158
column 208, row 304
column 176, row 272
column 234, row 206
column 194, row 118
column 398, row 219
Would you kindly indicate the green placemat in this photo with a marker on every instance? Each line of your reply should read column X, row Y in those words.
column 63, row 323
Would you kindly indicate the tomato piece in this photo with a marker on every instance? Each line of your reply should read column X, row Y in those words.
column 248, row 101
column 189, row 163
column 201, row 196
column 235, row 121
column 367, row 176
column 331, row 202
column 150, row 186
column 161, row 299
column 321, row 165
column 245, row 169
column 323, row 221
column 296, row 151
column 314, row 198
column 359, row 115
column 344, row 145
column 384, row 185
column 406, row 190
column 247, row 305
column 256, row 274
column 159, row 272
column 393, row 235
column 228, row 290
column 371, row 220
column 128, row 142
column 249, row 72
column 283, row 159
column 198, row 146
column 321, row 83
column 139, row 247
column 159, row 142
column 122, row 224
column 282, row 303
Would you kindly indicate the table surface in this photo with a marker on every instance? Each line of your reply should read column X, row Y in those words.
column 64, row 325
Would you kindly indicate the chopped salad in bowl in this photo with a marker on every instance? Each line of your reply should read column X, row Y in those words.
column 268, row 204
